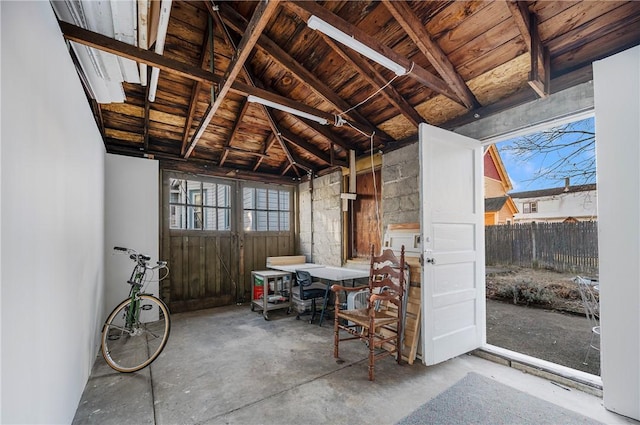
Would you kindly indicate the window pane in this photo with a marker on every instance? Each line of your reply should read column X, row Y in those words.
column 209, row 194
column 261, row 199
column 273, row 220
column 194, row 217
column 176, row 218
column 248, row 220
column 194, row 193
column 261, row 220
column 224, row 222
column 178, row 189
column 209, row 222
column 273, row 200
column 224, row 195
column 284, row 220
column 248, row 201
column 284, row 200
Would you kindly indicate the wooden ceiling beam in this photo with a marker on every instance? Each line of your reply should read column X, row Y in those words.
column 204, row 168
column 306, row 146
column 119, row 48
column 304, row 9
column 373, row 77
column 239, row 25
column 527, row 23
column 227, row 38
column 243, row 110
column 271, row 140
column 261, row 16
column 195, row 89
column 324, row 131
column 416, row 31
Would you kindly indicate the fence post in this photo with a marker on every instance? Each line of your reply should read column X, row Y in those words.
column 534, row 256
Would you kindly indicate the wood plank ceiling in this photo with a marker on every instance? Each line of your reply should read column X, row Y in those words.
column 465, row 60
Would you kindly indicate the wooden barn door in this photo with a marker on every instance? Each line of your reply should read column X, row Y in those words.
column 200, row 242
column 364, row 229
column 215, row 232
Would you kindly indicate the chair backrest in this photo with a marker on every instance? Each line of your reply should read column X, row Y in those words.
column 590, row 301
column 303, row 278
column 387, row 275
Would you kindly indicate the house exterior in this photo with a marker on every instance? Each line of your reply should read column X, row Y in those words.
column 559, row 204
column 499, row 208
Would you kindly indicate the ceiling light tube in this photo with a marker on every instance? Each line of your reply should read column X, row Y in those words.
column 163, row 24
column 316, row 23
column 265, row 102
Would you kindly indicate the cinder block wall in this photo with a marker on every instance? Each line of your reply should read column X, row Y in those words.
column 324, row 245
column 401, row 186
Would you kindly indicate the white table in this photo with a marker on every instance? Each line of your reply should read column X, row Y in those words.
column 327, row 275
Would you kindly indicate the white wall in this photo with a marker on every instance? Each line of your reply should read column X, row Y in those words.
column 131, row 220
column 617, row 103
column 52, row 222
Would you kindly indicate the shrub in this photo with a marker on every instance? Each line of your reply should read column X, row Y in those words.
column 526, row 293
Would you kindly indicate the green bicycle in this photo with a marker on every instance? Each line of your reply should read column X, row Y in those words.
column 137, row 330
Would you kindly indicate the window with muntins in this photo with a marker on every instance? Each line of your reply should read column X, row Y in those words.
column 266, row 209
column 529, row 207
column 197, row 205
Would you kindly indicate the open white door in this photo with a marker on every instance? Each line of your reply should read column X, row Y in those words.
column 453, row 244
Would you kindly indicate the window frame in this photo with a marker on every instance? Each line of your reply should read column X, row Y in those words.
column 530, row 207
column 263, row 209
column 194, row 207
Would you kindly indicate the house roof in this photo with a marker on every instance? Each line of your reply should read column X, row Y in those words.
column 554, row 191
column 496, row 169
column 494, row 204
column 463, row 60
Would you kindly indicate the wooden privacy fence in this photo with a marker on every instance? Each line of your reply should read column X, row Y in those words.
column 568, row 247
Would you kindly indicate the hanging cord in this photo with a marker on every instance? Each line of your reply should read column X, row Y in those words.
column 375, row 194
column 375, row 93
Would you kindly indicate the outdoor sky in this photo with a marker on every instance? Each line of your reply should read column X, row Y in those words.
column 520, row 171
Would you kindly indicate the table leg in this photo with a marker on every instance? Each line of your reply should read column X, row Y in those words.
column 324, row 304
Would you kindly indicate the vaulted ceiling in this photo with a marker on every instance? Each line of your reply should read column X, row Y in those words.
column 462, row 60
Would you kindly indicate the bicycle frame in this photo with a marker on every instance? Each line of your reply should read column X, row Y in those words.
column 136, row 280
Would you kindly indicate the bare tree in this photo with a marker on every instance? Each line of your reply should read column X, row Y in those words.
column 566, row 151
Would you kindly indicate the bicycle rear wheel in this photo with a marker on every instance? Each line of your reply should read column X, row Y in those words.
column 128, row 347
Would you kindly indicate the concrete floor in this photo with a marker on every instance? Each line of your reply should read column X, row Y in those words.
column 230, row 366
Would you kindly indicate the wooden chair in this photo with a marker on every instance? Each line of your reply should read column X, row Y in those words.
column 377, row 324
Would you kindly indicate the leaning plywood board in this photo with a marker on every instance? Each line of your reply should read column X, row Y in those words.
column 411, row 326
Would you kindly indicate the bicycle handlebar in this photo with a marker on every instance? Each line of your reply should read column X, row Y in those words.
column 140, row 258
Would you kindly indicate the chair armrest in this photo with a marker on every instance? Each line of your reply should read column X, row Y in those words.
column 336, row 288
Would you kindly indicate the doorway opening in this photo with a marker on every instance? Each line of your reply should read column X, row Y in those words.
column 540, row 235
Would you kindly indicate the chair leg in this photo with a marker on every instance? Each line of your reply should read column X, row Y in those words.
column 336, row 335
column 372, row 355
column 313, row 310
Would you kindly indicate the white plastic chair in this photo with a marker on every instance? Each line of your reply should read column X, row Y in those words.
column 588, row 289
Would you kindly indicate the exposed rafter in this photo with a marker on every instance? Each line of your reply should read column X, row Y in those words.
column 263, row 12
column 193, row 100
column 243, row 110
column 107, row 44
column 305, row 9
column 239, row 25
column 414, row 28
column 373, row 77
column 527, row 23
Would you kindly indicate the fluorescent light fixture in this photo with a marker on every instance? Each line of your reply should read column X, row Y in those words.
column 265, row 102
column 163, row 24
column 316, row 23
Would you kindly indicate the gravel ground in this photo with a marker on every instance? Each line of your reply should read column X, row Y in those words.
column 555, row 329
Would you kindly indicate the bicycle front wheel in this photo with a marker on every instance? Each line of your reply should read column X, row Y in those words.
column 134, row 336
